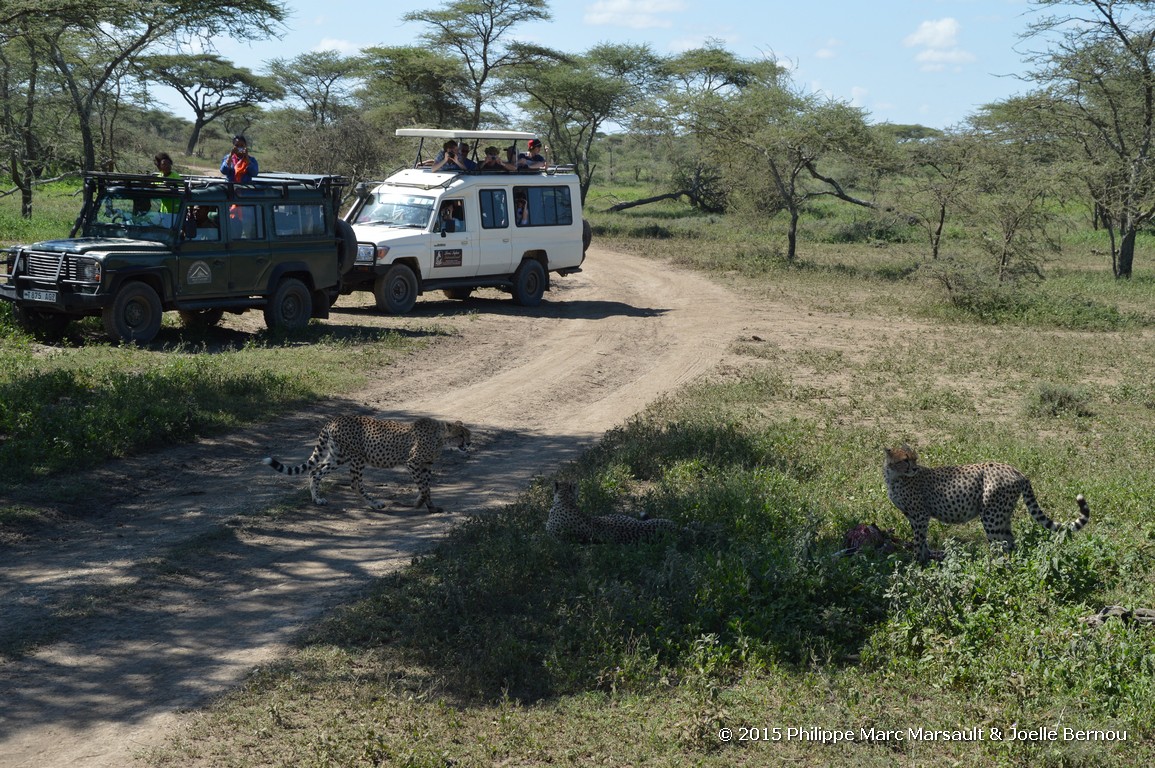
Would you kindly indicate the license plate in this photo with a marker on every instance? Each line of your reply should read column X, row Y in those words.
column 39, row 296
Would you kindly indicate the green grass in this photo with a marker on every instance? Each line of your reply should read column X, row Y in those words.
column 80, row 400
column 66, row 407
column 503, row 646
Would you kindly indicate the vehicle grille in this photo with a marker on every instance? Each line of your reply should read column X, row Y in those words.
column 43, row 266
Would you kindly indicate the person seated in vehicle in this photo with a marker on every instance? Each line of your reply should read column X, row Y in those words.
column 493, row 161
column 532, row 160
column 452, row 217
column 199, row 225
column 451, row 159
column 520, row 211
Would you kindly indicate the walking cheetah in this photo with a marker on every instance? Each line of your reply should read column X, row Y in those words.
column 567, row 521
column 363, row 441
column 961, row 493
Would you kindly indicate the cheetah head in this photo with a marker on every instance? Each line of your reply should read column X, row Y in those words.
column 900, row 462
column 460, row 431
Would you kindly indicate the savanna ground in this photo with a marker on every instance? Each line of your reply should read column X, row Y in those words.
column 763, row 397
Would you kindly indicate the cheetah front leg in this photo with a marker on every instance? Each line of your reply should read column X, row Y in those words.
column 357, row 471
column 919, row 524
column 422, row 476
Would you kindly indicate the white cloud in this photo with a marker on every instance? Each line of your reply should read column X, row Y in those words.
column 934, row 34
column 635, row 14
column 939, row 43
column 858, row 96
column 828, row 51
column 343, row 47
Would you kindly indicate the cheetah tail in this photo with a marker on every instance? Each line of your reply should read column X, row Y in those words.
column 1041, row 516
column 1084, row 514
column 300, row 469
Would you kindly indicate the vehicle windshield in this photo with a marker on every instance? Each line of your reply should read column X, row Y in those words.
column 397, row 209
column 134, row 214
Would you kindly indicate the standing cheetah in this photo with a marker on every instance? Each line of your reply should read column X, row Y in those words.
column 957, row 494
column 363, row 441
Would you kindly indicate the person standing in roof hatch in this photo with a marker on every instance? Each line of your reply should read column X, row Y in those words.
column 239, row 165
column 533, row 159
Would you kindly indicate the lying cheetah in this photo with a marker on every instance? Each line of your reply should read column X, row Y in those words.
column 567, row 521
column 363, row 441
column 960, row 493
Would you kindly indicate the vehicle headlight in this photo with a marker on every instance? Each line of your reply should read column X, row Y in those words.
column 365, row 253
column 88, row 270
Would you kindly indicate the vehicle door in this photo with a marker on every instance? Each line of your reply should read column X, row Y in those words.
column 299, row 235
column 203, row 263
column 495, row 244
column 248, row 248
column 454, row 239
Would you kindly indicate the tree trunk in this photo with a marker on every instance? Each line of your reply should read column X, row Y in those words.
column 792, row 236
column 1126, row 253
column 936, row 238
column 195, row 137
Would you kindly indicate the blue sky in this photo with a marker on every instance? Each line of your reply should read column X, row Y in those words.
column 931, row 62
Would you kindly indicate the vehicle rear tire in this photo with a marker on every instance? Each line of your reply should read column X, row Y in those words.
column 46, row 325
column 529, row 284
column 396, row 290
column 134, row 314
column 290, row 307
column 200, row 319
column 587, row 235
column 346, row 247
column 458, row 294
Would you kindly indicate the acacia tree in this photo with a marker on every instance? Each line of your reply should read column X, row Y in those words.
column 938, row 181
column 478, row 31
column 1099, row 77
column 213, row 87
column 574, row 96
column 777, row 141
column 409, row 85
column 321, row 81
column 694, row 81
column 92, row 43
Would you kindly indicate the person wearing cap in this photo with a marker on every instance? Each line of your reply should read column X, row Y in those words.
column 493, row 161
column 239, row 166
column 531, row 160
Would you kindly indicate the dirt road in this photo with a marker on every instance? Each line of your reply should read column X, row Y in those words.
column 173, row 586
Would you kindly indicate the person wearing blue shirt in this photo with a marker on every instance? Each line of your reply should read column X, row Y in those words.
column 239, row 165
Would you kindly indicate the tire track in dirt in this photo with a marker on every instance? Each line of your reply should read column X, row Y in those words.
column 177, row 587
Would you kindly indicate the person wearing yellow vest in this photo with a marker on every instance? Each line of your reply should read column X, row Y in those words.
column 169, row 206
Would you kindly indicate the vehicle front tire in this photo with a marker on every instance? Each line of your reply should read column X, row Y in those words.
column 529, row 284
column 134, row 314
column 200, row 319
column 290, row 306
column 396, row 290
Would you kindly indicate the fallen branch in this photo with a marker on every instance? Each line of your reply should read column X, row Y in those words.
column 1125, row 615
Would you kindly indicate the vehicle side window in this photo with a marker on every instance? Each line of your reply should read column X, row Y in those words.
column 494, row 209
column 245, row 222
column 547, row 206
column 202, row 222
column 292, row 220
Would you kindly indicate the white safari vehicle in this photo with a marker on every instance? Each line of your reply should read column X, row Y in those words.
column 454, row 231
